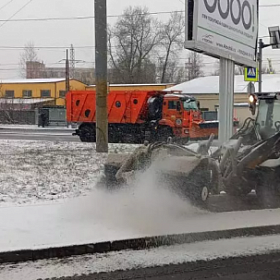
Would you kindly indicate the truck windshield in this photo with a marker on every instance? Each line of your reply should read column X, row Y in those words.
column 190, row 105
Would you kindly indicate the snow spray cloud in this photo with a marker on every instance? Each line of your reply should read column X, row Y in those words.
column 147, row 207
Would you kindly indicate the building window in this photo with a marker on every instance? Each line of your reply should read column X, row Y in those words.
column 10, row 94
column 45, row 93
column 62, row 93
column 27, row 93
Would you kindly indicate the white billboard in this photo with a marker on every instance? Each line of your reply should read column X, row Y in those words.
column 223, row 28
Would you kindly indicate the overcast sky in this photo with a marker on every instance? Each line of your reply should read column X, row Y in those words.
column 80, row 33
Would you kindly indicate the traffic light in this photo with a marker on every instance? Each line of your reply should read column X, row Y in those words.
column 253, row 103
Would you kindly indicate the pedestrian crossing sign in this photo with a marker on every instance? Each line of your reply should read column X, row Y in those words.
column 251, row 74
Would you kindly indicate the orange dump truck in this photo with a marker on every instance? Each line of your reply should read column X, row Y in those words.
column 135, row 116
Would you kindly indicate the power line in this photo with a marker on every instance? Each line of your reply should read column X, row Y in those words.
column 5, row 5
column 269, row 5
column 43, row 47
column 84, row 17
column 18, row 11
column 109, row 16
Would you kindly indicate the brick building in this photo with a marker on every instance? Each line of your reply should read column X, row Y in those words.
column 38, row 70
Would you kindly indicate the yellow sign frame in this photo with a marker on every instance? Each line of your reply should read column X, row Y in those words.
column 248, row 79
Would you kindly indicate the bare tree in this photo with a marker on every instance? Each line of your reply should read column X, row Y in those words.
column 131, row 42
column 29, row 54
column 171, row 41
column 194, row 65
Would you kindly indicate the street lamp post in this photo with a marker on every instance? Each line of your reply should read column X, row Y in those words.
column 274, row 33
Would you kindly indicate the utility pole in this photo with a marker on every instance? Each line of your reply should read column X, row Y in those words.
column 261, row 46
column 73, row 62
column 100, row 9
column 274, row 43
column 67, row 80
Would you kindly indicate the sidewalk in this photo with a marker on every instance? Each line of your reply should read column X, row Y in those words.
column 77, row 222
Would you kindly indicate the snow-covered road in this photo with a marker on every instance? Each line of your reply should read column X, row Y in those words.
column 49, row 197
column 128, row 260
column 108, row 217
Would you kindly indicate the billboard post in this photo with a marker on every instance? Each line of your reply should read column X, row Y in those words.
column 227, row 30
column 226, row 99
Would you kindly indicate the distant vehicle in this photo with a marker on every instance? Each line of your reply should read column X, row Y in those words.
column 136, row 116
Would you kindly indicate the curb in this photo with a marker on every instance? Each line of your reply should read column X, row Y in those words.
column 134, row 244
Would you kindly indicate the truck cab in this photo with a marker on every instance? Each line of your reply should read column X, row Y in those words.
column 178, row 113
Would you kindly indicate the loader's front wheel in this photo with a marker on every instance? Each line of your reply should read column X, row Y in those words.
column 199, row 190
column 204, row 194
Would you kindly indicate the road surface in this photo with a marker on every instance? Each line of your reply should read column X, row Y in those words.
column 264, row 267
column 41, row 135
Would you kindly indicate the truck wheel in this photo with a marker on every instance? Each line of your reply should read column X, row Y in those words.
column 87, row 133
column 164, row 132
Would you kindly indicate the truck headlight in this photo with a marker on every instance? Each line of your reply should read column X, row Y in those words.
column 186, row 131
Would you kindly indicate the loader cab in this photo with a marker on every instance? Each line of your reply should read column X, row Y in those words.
column 268, row 115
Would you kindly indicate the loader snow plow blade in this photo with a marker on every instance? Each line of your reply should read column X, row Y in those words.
column 189, row 174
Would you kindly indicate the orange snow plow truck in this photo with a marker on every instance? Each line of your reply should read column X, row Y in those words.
column 136, row 116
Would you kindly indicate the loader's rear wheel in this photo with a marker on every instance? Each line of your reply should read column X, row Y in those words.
column 238, row 187
column 267, row 196
column 240, row 191
column 267, row 190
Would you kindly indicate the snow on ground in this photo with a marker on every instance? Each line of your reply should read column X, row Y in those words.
column 125, row 260
column 45, row 171
column 125, row 214
column 39, row 171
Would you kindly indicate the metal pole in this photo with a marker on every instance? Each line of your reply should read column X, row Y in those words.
column 67, row 80
column 226, row 100
column 260, row 63
column 100, row 7
column 73, row 61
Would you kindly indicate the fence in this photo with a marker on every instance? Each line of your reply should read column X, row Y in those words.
column 55, row 116
column 17, row 117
